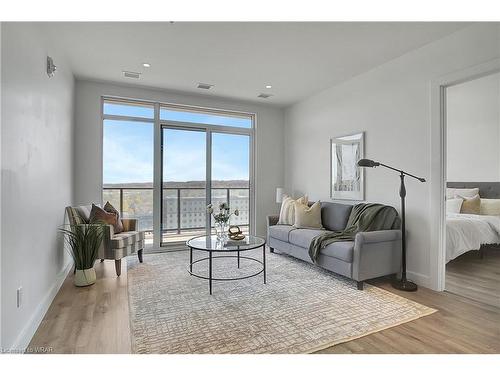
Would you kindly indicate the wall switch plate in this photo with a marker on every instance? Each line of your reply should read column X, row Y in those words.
column 19, row 297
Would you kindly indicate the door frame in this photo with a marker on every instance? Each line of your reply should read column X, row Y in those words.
column 209, row 130
column 438, row 163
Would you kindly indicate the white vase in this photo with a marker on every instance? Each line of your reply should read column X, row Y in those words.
column 85, row 277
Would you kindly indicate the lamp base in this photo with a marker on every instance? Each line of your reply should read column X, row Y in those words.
column 405, row 285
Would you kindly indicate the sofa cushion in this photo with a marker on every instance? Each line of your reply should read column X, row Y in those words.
column 308, row 217
column 280, row 232
column 334, row 216
column 303, row 237
column 125, row 239
column 340, row 250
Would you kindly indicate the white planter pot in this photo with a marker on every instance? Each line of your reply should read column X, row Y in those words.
column 85, row 277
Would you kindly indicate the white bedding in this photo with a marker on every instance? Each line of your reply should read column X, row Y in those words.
column 465, row 232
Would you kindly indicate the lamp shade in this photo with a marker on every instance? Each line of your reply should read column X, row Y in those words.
column 279, row 194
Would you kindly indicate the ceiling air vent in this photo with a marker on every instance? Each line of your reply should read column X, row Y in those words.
column 205, row 86
column 131, row 74
column 264, row 96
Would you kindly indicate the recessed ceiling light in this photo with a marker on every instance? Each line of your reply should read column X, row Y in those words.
column 146, row 65
column 269, row 87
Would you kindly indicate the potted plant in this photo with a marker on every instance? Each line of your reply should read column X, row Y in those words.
column 84, row 242
column 221, row 219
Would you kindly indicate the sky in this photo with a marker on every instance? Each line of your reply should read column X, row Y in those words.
column 128, row 148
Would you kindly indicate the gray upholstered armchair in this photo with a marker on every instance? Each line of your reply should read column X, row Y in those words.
column 114, row 246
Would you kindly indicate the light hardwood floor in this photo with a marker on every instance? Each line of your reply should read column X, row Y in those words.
column 474, row 277
column 96, row 320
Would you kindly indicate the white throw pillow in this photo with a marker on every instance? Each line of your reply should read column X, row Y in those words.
column 287, row 212
column 454, row 205
column 466, row 193
column 490, row 207
column 308, row 217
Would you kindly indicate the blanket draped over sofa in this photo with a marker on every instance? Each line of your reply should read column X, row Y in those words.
column 364, row 217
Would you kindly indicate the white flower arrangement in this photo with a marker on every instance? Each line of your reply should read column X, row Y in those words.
column 224, row 213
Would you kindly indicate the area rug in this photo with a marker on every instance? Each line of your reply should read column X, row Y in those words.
column 301, row 309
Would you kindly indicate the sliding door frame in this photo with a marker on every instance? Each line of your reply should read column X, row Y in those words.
column 157, row 152
column 209, row 131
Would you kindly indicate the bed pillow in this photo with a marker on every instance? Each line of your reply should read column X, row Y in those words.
column 287, row 212
column 490, row 207
column 467, row 193
column 308, row 217
column 454, row 205
column 471, row 205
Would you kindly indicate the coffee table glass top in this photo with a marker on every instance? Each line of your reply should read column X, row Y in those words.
column 210, row 243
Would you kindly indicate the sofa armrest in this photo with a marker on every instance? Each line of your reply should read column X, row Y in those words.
column 272, row 220
column 378, row 236
column 376, row 254
column 129, row 225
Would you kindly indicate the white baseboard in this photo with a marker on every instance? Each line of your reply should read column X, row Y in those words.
column 31, row 326
column 420, row 279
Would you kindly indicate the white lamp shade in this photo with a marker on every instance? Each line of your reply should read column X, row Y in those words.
column 279, row 194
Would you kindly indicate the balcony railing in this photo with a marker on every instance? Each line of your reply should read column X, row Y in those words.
column 183, row 209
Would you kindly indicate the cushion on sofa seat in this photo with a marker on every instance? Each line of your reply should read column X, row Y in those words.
column 340, row 250
column 125, row 239
column 280, row 232
column 303, row 237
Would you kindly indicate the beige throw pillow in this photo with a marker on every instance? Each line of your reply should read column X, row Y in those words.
column 490, row 207
column 308, row 217
column 471, row 205
column 287, row 212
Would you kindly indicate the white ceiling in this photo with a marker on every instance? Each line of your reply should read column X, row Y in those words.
column 297, row 59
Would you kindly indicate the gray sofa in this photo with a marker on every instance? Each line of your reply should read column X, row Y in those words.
column 370, row 255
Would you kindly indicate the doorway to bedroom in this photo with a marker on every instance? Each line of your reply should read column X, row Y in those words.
column 472, row 230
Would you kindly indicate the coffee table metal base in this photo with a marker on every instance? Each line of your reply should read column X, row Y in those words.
column 210, row 259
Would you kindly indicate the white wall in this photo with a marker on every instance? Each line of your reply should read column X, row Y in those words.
column 269, row 149
column 473, row 130
column 36, row 146
column 392, row 104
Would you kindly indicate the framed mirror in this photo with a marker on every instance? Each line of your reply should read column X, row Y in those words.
column 347, row 180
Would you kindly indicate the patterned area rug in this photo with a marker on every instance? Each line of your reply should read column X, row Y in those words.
column 301, row 309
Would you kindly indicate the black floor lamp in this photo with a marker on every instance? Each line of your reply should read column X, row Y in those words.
column 402, row 284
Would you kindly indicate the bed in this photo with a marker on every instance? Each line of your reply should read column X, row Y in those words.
column 468, row 232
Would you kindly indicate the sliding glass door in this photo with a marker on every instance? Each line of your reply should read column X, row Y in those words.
column 184, row 186
column 230, row 175
column 189, row 156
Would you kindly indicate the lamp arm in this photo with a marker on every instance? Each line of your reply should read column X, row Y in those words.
column 403, row 172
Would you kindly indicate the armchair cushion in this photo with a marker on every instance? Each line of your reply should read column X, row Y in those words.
column 124, row 239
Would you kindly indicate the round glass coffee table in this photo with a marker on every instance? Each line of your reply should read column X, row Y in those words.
column 229, row 249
